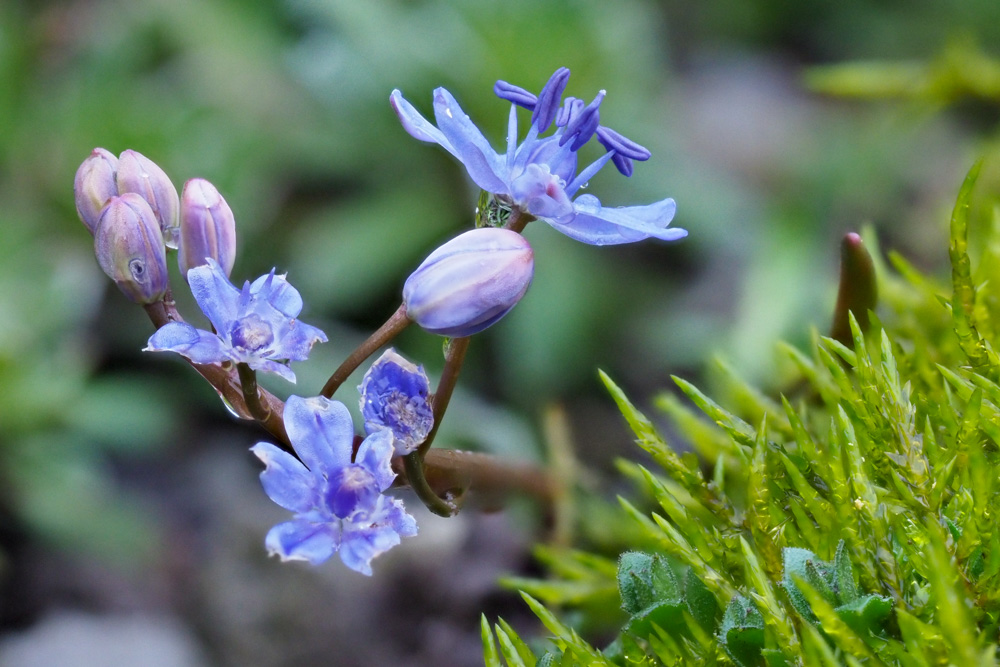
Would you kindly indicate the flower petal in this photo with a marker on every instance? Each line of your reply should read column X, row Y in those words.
column 198, row 345
column 269, row 366
column 598, row 225
column 279, row 293
column 484, row 165
column 285, row 480
column 216, row 296
column 361, row 545
column 321, row 432
column 396, row 516
column 303, row 540
column 418, row 126
column 294, row 340
column 375, row 454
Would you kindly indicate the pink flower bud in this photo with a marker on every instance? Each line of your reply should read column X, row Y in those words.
column 129, row 247
column 470, row 282
column 139, row 174
column 208, row 228
column 94, row 185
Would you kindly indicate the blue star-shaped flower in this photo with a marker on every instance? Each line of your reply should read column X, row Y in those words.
column 539, row 175
column 337, row 499
column 394, row 396
column 256, row 325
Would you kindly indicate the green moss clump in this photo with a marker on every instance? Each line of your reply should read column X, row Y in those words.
column 851, row 520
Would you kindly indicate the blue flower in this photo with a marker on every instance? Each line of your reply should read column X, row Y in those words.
column 539, row 175
column 255, row 325
column 394, row 396
column 337, row 499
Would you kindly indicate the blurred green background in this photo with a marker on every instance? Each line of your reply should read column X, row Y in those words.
column 126, row 492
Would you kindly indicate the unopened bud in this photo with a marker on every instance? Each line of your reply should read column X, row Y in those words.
column 470, row 282
column 94, row 185
column 129, row 247
column 138, row 174
column 208, row 228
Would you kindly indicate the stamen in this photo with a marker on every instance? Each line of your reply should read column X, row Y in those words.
column 515, row 94
column 548, row 99
column 613, row 141
column 569, row 111
column 584, row 125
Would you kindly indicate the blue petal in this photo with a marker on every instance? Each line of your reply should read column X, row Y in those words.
column 396, row 516
column 269, row 366
column 299, row 539
column 279, row 293
column 285, row 480
column 417, row 125
column 294, row 340
column 483, row 163
column 375, row 455
column 201, row 347
column 360, row 546
column 216, row 296
column 598, row 225
column 321, row 432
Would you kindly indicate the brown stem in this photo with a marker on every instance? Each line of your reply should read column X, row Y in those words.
column 518, row 220
column 454, row 472
column 453, row 359
column 385, row 333
column 226, row 381
column 251, row 393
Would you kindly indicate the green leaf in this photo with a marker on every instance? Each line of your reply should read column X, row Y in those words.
column 742, row 632
column 865, row 615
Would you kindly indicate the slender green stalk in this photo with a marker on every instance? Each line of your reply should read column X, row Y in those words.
column 414, row 466
column 392, row 327
column 453, row 360
column 251, row 393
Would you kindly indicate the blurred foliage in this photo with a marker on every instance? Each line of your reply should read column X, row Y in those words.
column 849, row 522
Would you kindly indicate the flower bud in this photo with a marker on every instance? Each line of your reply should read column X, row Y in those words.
column 208, row 228
column 470, row 282
column 94, row 185
column 138, row 174
column 129, row 247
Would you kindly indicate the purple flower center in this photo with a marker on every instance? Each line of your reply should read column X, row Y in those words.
column 352, row 489
column 251, row 333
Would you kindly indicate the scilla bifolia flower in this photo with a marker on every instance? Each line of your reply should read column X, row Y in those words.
column 394, row 396
column 94, row 185
column 337, row 499
column 138, row 174
column 256, row 325
column 539, row 175
column 129, row 248
column 208, row 228
column 470, row 282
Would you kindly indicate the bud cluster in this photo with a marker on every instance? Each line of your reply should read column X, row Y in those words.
column 132, row 209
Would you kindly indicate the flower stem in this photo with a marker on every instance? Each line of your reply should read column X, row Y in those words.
column 518, row 220
column 251, row 394
column 392, row 327
column 454, row 356
column 413, row 464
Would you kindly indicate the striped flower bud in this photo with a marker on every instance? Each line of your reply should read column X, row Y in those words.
column 94, row 185
column 208, row 228
column 139, row 174
column 470, row 282
column 129, row 247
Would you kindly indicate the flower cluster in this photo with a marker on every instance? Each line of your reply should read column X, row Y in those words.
column 337, row 492
column 539, row 176
column 336, row 497
column 256, row 326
